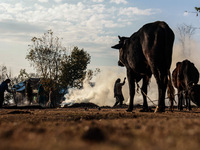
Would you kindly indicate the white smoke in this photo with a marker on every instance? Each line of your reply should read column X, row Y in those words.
column 102, row 93
column 191, row 52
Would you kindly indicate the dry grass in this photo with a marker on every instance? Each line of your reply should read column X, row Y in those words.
column 77, row 128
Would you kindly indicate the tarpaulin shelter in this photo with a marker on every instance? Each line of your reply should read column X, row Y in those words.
column 20, row 88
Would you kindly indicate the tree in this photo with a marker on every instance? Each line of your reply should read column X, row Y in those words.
column 46, row 54
column 74, row 68
column 23, row 75
column 3, row 75
column 198, row 10
column 185, row 33
column 56, row 68
column 91, row 73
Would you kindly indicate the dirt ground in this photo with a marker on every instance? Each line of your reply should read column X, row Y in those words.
column 98, row 129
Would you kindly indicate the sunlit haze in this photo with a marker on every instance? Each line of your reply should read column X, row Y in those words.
column 90, row 24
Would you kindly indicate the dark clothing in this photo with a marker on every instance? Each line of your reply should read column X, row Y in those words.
column 119, row 97
column 41, row 94
column 3, row 88
column 52, row 99
column 118, row 88
column 29, row 93
column 118, row 92
column 1, row 99
column 119, row 100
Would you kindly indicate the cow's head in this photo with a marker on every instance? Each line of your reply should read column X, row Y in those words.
column 122, row 49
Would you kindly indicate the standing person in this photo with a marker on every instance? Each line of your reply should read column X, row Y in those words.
column 52, row 100
column 118, row 92
column 41, row 95
column 29, row 92
column 3, row 87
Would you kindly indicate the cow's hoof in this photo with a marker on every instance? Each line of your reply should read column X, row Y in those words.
column 129, row 110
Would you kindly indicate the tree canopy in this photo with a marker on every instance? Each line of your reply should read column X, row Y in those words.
column 46, row 54
column 74, row 68
column 50, row 59
column 197, row 9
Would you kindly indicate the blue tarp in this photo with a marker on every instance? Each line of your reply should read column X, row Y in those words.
column 19, row 87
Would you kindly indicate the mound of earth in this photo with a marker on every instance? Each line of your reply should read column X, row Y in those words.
column 92, row 105
column 82, row 105
column 23, row 107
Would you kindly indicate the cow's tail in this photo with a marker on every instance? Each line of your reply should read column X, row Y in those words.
column 170, row 91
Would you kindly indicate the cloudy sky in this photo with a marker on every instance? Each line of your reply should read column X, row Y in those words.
column 90, row 24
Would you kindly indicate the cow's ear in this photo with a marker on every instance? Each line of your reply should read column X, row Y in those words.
column 118, row 46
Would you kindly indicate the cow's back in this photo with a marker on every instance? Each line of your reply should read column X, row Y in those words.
column 189, row 72
column 185, row 74
column 157, row 42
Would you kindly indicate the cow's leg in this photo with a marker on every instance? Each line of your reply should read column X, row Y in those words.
column 144, row 93
column 180, row 100
column 131, row 82
column 188, row 104
column 162, row 86
column 161, row 102
column 186, row 100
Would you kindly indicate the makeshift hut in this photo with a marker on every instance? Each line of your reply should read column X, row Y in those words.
column 20, row 96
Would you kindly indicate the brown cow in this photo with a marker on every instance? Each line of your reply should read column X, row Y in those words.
column 148, row 51
column 184, row 76
column 194, row 94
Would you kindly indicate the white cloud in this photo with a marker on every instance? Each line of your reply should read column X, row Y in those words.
column 130, row 11
column 43, row 1
column 78, row 24
column 97, row 1
column 68, row 17
column 118, row 1
column 58, row 1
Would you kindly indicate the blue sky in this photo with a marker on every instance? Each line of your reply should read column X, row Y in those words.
column 90, row 24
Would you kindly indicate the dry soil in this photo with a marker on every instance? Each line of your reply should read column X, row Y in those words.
column 98, row 129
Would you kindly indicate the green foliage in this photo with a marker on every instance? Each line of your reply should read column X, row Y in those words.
column 46, row 54
column 55, row 67
column 74, row 68
column 198, row 10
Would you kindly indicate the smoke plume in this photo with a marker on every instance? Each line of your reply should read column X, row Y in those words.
column 102, row 93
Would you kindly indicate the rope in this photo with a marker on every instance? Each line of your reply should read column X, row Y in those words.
column 138, row 87
column 152, row 101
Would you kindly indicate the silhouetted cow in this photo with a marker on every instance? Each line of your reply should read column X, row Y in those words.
column 147, row 51
column 194, row 94
column 184, row 76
